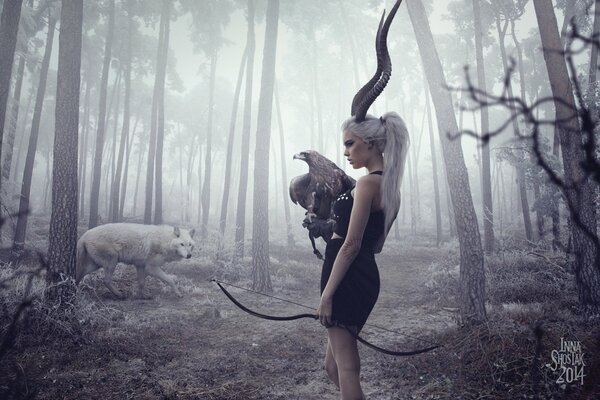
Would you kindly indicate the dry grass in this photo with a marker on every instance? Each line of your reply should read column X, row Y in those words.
column 202, row 347
column 525, row 291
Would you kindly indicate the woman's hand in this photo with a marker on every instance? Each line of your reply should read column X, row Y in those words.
column 324, row 311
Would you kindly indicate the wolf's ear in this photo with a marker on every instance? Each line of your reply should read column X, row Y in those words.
column 176, row 231
column 192, row 232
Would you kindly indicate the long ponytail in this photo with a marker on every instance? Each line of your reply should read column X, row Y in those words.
column 390, row 135
column 394, row 162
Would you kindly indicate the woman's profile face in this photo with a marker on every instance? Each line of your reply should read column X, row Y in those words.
column 356, row 150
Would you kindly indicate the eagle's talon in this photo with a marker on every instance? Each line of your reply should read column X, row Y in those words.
column 309, row 217
column 318, row 254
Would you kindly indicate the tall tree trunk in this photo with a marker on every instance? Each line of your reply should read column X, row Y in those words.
column 199, row 183
column 12, row 124
column 486, row 180
column 137, row 176
column 189, row 186
column 22, row 137
column 115, row 191
column 411, row 185
column 520, row 169
column 352, row 45
column 63, row 220
column 261, row 278
column 149, row 186
column 436, row 186
column 21, row 228
column 240, row 221
column 110, row 173
column 158, row 219
column 208, row 159
column 415, row 159
column 230, row 140
column 284, row 179
column 578, row 187
column 123, row 191
column 150, row 162
column 9, row 26
column 84, row 150
column 569, row 14
column 317, row 92
column 47, row 181
column 100, row 133
column 536, row 186
column 472, row 279
column 593, row 69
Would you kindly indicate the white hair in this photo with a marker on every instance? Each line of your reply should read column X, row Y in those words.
column 390, row 136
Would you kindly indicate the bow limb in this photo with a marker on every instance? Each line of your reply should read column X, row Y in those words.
column 390, row 352
column 313, row 316
column 263, row 316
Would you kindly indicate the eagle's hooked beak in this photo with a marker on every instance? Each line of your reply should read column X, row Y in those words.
column 298, row 156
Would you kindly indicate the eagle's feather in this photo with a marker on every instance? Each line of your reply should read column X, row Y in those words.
column 317, row 190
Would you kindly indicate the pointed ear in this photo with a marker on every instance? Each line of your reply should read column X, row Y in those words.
column 176, row 231
column 192, row 233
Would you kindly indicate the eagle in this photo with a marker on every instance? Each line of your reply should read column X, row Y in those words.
column 316, row 191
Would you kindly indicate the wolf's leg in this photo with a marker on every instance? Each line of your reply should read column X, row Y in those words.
column 109, row 269
column 88, row 267
column 141, row 276
column 157, row 272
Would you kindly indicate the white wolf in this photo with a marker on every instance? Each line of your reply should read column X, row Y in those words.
column 148, row 247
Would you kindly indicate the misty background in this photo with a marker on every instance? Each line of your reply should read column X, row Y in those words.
column 325, row 52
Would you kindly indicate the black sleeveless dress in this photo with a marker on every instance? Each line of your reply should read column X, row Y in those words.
column 357, row 293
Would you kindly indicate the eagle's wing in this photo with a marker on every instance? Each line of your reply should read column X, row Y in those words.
column 346, row 181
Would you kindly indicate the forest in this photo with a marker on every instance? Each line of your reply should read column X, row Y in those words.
column 190, row 117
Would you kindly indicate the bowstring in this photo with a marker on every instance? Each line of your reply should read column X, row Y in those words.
column 314, row 308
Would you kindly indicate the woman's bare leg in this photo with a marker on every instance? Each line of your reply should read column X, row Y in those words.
column 345, row 353
column 331, row 366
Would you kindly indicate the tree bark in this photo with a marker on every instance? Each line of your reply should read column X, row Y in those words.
column 12, row 124
column 208, row 158
column 284, row 179
column 240, row 221
column 63, row 220
column 112, row 156
column 188, row 191
column 150, row 162
column 123, row 191
column 22, row 137
column 84, row 149
column 593, row 69
column 100, row 133
column 317, row 92
column 9, row 26
column 21, row 228
column 160, row 134
column 472, row 278
column 230, row 139
column 536, row 186
column 137, row 176
column 436, row 186
column 116, row 209
column 486, row 180
column 261, row 278
column 520, row 169
column 578, row 187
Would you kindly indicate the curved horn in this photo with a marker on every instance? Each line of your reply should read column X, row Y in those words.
column 369, row 92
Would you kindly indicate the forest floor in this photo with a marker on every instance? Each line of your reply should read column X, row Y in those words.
column 201, row 346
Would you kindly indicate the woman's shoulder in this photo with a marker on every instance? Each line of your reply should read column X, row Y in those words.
column 368, row 184
column 369, row 180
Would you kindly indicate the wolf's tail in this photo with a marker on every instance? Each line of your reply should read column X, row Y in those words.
column 82, row 256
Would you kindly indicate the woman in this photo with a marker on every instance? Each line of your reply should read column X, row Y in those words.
column 364, row 215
